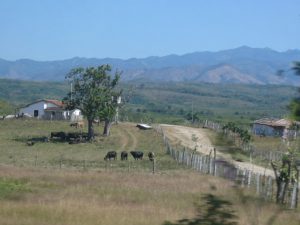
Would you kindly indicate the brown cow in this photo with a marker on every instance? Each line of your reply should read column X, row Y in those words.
column 79, row 124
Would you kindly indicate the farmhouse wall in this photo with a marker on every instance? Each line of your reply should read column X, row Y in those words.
column 76, row 115
column 261, row 129
column 49, row 111
column 40, row 106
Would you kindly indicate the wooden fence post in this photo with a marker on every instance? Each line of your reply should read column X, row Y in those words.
column 237, row 175
column 36, row 159
column 153, row 166
column 249, row 178
column 201, row 163
column 294, row 196
column 215, row 169
column 60, row 161
column 243, row 178
column 258, row 184
column 269, row 187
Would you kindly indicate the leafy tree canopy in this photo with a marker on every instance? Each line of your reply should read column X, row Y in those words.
column 94, row 93
column 294, row 106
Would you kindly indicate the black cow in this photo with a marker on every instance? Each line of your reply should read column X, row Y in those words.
column 124, row 155
column 137, row 155
column 58, row 135
column 151, row 156
column 112, row 155
column 74, row 136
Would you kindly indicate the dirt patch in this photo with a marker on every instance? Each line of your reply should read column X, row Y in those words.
column 128, row 139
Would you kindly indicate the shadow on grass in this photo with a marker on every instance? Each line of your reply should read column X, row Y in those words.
column 57, row 137
column 33, row 139
column 259, row 204
column 214, row 211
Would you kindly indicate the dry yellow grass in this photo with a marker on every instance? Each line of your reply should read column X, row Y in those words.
column 97, row 197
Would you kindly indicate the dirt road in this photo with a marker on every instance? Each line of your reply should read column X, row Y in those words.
column 197, row 137
column 129, row 140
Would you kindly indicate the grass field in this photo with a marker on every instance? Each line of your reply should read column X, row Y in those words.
column 35, row 190
column 14, row 135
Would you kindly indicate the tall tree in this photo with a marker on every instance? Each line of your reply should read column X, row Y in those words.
column 94, row 93
column 108, row 111
column 295, row 103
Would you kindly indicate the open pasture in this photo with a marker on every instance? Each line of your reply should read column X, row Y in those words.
column 14, row 150
column 54, row 183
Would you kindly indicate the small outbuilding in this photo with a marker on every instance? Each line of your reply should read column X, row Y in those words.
column 271, row 127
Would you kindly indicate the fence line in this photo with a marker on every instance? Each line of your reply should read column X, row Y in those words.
column 265, row 186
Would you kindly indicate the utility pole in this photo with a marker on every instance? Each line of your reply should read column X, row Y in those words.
column 71, row 91
column 192, row 112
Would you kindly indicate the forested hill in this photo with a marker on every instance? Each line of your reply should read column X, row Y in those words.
column 19, row 92
column 172, row 101
column 243, row 65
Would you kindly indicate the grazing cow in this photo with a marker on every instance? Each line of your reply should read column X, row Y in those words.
column 137, row 155
column 79, row 124
column 112, row 155
column 96, row 121
column 124, row 155
column 151, row 156
column 58, row 135
column 73, row 124
column 30, row 143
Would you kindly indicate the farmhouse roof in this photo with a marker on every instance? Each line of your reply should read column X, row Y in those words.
column 53, row 101
column 54, row 109
column 274, row 122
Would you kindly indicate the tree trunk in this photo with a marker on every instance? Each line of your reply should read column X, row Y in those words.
column 278, row 183
column 107, row 125
column 91, row 134
column 286, row 182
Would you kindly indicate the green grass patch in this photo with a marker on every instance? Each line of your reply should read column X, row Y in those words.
column 13, row 188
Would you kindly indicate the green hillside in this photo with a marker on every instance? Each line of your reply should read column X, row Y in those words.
column 236, row 102
column 173, row 102
column 20, row 92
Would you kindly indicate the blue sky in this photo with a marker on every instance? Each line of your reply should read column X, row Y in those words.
column 60, row 29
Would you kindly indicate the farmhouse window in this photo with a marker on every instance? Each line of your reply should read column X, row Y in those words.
column 36, row 113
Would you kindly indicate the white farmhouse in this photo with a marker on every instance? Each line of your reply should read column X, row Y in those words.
column 50, row 110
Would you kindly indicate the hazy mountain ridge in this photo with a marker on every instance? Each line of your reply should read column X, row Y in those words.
column 241, row 65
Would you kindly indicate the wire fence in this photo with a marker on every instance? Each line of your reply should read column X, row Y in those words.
column 265, row 186
column 254, row 152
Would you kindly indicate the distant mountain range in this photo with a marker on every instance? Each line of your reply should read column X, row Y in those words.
column 240, row 65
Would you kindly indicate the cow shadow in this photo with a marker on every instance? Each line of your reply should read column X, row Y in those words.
column 55, row 137
column 214, row 211
column 70, row 137
column 40, row 139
